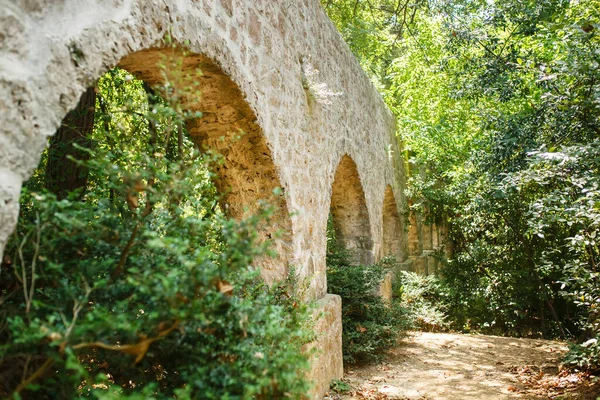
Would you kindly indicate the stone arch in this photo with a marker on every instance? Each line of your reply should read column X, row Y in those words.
column 427, row 231
column 415, row 246
column 350, row 214
column 228, row 126
column 392, row 226
column 435, row 240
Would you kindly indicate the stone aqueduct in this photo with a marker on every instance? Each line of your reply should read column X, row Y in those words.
column 336, row 155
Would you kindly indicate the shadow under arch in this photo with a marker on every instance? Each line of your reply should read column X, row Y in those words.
column 392, row 226
column 248, row 174
column 350, row 214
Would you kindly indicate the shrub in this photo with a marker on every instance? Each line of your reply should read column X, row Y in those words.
column 143, row 288
column 339, row 386
column 584, row 356
column 422, row 297
column 370, row 324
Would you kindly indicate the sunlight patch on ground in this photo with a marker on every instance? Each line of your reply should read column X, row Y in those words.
column 446, row 366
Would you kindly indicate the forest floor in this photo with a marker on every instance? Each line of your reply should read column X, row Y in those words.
column 431, row 366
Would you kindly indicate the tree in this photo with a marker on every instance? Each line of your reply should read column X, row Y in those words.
column 64, row 173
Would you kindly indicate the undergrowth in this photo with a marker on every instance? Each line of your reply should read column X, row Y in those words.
column 423, row 298
column 371, row 325
column 136, row 285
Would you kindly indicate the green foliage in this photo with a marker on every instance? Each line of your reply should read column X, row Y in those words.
column 339, row 386
column 370, row 324
column 538, row 271
column 423, row 296
column 524, row 212
column 497, row 103
column 584, row 356
column 373, row 29
column 144, row 289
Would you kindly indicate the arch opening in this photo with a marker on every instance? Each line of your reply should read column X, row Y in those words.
column 392, row 226
column 415, row 246
column 349, row 213
column 247, row 176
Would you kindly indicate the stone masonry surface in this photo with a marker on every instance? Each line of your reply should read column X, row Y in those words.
column 276, row 69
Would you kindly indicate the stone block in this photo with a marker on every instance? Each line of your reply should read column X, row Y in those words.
column 420, row 265
column 385, row 288
column 406, row 265
column 327, row 361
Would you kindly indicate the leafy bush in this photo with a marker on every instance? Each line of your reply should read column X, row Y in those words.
column 423, row 298
column 527, row 263
column 370, row 324
column 143, row 288
column 339, row 386
column 584, row 356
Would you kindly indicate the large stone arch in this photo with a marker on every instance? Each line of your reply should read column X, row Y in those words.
column 228, row 126
column 392, row 226
column 350, row 214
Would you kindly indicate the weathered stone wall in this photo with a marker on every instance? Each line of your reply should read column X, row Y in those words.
column 261, row 59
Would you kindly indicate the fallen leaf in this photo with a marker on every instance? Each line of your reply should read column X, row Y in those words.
column 225, row 287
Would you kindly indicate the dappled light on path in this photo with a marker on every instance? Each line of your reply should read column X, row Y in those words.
column 454, row 366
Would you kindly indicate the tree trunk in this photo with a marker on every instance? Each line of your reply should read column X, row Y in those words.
column 64, row 175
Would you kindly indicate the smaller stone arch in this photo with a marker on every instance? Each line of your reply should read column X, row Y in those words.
column 350, row 214
column 415, row 246
column 392, row 226
column 427, row 233
column 435, row 241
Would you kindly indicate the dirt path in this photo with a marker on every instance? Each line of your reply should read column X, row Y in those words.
column 431, row 366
